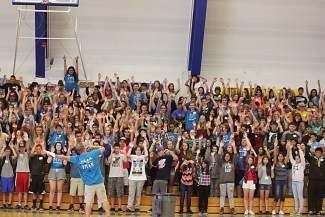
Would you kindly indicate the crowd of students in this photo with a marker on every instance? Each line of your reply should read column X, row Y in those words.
column 210, row 140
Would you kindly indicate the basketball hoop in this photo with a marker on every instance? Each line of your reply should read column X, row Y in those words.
column 44, row 44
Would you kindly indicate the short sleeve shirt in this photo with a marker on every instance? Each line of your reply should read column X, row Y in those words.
column 89, row 168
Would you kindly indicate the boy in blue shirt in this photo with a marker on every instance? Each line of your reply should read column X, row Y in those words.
column 88, row 164
column 191, row 117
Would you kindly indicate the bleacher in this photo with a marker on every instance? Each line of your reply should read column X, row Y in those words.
column 146, row 201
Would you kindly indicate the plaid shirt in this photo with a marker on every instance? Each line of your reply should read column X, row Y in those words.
column 204, row 179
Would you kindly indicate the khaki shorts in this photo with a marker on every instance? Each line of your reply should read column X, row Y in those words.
column 115, row 186
column 57, row 174
column 99, row 190
column 77, row 187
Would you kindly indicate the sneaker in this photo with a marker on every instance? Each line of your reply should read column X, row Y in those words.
column 120, row 211
column 33, row 208
column 189, row 211
column 112, row 209
column 251, row 212
column 128, row 210
column 18, row 206
column 136, row 210
column 232, row 211
column 9, row 206
column 246, row 212
column 25, row 207
column 58, row 209
column 40, row 208
column 81, row 211
column 273, row 212
column 281, row 212
column 267, row 213
column 101, row 210
column 70, row 209
column 50, row 209
column 221, row 211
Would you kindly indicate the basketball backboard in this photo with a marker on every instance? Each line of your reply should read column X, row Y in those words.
column 73, row 3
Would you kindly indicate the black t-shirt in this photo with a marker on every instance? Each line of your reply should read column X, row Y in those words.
column 37, row 165
column 163, row 165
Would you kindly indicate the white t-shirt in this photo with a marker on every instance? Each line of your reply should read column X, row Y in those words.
column 116, row 166
column 138, row 168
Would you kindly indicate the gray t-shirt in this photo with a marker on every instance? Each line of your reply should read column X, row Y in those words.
column 116, row 166
column 23, row 163
column 280, row 172
column 227, row 169
column 264, row 179
column 7, row 170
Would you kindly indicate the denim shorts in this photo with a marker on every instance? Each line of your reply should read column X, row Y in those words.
column 264, row 187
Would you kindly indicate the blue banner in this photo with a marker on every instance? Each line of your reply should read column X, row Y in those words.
column 197, row 36
column 40, row 44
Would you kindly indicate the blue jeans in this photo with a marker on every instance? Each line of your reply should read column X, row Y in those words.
column 280, row 190
column 185, row 190
column 298, row 190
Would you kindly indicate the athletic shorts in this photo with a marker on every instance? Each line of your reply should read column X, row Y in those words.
column 22, row 182
column 115, row 186
column 99, row 190
column 37, row 184
column 57, row 174
column 7, row 184
column 249, row 185
column 77, row 187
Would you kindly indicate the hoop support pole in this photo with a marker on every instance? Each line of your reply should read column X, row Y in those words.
column 17, row 42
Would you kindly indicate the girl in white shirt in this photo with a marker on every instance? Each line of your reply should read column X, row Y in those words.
column 298, row 168
column 137, row 176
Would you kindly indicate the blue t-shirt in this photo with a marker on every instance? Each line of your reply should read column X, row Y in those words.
column 226, row 139
column 89, row 167
column 57, row 164
column 74, row 172
column 314, row 146
column 178, row 114
column 243, row 155
column 190, row 118
column 134, row 98
column 58, row 137
column 69, row 82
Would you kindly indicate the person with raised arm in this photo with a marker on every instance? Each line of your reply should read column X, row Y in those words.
column 88, row 164
column 137, row 175
column 298, row 168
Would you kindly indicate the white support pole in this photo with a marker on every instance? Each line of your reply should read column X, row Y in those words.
column 17, row 42
column 79, row 50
